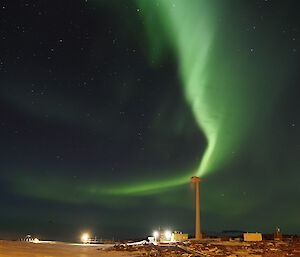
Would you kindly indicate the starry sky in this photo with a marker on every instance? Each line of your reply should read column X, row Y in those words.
column 107, row 108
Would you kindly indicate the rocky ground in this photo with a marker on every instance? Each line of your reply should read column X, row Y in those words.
column 219, row 248
column 208, row 248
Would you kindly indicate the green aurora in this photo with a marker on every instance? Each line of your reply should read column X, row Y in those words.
column 189, row 30
column 109, row 106
column 222, row 90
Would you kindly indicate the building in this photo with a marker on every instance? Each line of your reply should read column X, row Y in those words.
column 252, row 237
column 178, row 236
column 168, row 237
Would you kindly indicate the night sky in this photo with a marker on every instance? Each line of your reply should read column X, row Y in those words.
column 108, row 107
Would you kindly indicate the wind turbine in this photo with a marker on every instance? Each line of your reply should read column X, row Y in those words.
column 198, row 234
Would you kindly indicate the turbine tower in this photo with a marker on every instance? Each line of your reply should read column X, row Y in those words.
column 198, row 234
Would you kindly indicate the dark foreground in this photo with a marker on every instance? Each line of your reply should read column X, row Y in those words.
column 219, row 248
column 54, row 249
column 208, row 248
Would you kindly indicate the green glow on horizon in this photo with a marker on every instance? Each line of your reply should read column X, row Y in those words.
column 85, row 191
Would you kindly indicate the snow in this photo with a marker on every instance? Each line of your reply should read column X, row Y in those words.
column 55, row 249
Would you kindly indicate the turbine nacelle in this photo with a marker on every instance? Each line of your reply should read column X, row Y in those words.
column 196, row 179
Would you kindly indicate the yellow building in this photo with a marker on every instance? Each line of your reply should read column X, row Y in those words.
column 179, row 236
column 252, row 237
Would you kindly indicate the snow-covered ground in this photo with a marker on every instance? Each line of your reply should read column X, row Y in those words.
column 55, row 249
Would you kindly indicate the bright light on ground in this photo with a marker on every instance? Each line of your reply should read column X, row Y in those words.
column 85, row 238
column 168, row 235
column 155, row 234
